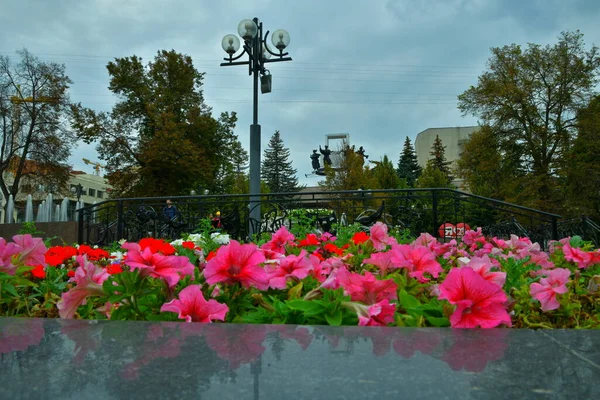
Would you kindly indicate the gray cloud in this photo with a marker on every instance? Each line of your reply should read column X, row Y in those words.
column 378, row 70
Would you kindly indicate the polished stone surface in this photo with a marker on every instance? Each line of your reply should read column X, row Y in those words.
column 71, row 359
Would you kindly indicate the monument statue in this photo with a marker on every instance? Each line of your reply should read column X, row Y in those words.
column 326, row 152
column 361, row 152
column 315, row 160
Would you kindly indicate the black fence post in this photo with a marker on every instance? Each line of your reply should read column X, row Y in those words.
column 120, row 220
column 434, row 212
column 555, row 228
column 80, row 225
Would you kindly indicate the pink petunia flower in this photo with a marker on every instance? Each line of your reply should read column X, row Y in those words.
column 381, row 260
column 32, row 251
column 418, row 260
column 292, row 266
column 473, row 237
column 378, row 314
column 193, row 307
column 157, row 265
column 89, row 279
column 583, row 259
column 483, row 266
column 366, row 288
column 237, row 262
column 546, row 290
column 279, row 240
column 7, row 251
column 379, row 236
column 478, row 302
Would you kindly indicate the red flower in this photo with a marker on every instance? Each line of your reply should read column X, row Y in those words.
column 38, row 272
column 478, row 302
column 157, row 246
column 188, row 245
column 311, row 240
column 211, row 255
column 92, row 254
column 71, row 273
column 360, row 237
column 114, row 269
column 58, row 255
column 332, row 248
column 237, row 262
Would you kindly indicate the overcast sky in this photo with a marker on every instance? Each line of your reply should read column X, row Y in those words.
column 379, row 70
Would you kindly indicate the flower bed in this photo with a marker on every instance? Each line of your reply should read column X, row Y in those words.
column 354, row 279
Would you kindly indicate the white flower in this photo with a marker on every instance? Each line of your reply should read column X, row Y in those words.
column 118, row 255
column 177, row 242
column 220, row 238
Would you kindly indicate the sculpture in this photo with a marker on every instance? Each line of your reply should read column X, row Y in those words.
column 315, row 160
column 326, row 152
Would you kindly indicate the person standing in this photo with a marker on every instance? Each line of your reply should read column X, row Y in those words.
column 170, row 211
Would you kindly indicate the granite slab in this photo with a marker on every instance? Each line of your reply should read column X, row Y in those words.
column 76, row 359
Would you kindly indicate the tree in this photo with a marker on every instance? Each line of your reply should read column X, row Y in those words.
column 386, row 176
column 160, row 138
column 36, row 144
column 438, row 152
column 408, row 166
column 530, row 97
column 487, row 170
column 277, row 171
column 583, row 164
column 352, row 174
column 432, row 177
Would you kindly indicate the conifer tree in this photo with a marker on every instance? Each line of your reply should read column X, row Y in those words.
column 408, row 167
column 277, row 171
column 438, row 160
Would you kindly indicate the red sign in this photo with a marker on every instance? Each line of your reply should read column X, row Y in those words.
column 448, row 230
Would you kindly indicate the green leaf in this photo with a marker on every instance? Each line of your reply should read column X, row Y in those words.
column 407, row 300
column 439, row 322
column 10, row 289
column 334, row 319
column 294, row 293
column 308, row 307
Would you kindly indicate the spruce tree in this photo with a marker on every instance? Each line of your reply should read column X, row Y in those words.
column 277, row 171
column 438, row 152
column 408, row 166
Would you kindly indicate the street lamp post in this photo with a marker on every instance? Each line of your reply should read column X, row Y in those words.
column 259, row 53
column 77, row 190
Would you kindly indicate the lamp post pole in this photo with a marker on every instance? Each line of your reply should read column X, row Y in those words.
column 255, row 45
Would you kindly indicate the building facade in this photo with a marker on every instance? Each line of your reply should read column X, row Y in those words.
column 452, row 138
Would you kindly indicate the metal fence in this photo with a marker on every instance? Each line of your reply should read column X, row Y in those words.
column 443, row 213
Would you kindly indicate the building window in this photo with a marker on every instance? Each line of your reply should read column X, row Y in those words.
column 100, row 194
column 92, row 192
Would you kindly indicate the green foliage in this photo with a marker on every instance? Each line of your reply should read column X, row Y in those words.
column 352, row 174
column 487, row 170
column 385, row 175
column 160, row 138
column 277, row 171
column 582, row 165
column 438, row 160
column 530, row 97
column 408, row 166
column 432, row 177
column 30, row 228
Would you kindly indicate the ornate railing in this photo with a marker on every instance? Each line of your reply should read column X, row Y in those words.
column 441, row 212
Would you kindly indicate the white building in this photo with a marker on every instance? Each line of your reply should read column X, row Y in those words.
column 452, row 138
